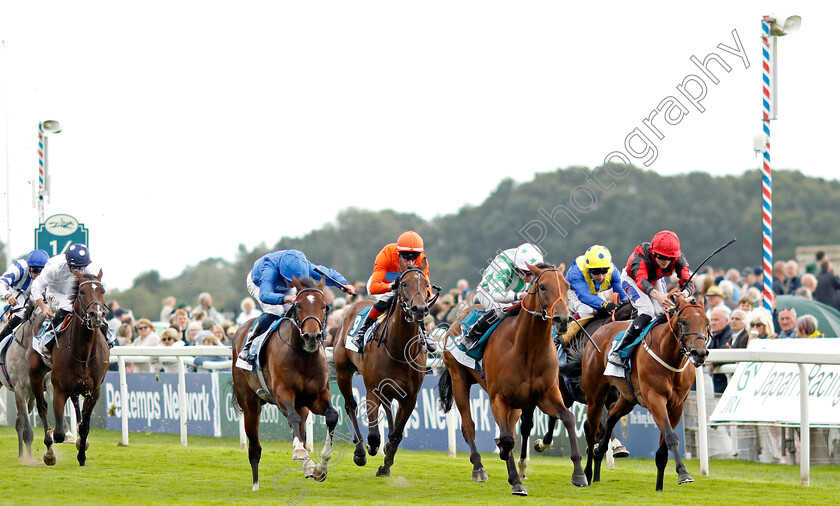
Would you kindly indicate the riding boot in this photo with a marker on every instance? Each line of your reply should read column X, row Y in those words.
column 481, row 326
column 360, row 334
column 47, row 338
column 630, row 335
column 9, row 326
column 574, row 327
column 246, row 345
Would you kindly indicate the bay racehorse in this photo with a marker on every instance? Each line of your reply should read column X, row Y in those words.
column 624, row 312
column 393, row 365
column 80, row 358
column 294, row 366
column 520, row 367
column 662, row 374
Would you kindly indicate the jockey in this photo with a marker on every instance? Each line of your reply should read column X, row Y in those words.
column 592, row 274
column 386, row 270
column 56, row 283
column 270, row 283
column 15, row 287
column 643, row 280
column 504, row 283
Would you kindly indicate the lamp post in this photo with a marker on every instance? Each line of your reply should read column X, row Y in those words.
column 44, row 127
column 770, row 31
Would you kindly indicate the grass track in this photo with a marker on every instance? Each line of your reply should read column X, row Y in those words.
column 155, row 469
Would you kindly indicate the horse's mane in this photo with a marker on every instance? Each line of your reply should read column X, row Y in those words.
column 545, row 265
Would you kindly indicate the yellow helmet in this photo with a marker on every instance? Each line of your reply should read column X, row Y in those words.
column 597, row 257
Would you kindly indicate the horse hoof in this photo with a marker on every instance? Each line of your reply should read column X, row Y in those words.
column 479, row 475
column 685, row 478
column 360, row 460
column 540, row 447
column 58, row 437
column 320, row 472
column 49, row 457
column 519, row 489
column 620, row 452
column 69, row 438
column 383, row 471
column 372, row 451
column 79, row 444
column 579, row 480
column 256, row 487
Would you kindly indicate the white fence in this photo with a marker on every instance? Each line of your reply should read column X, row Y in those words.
column 801, row 358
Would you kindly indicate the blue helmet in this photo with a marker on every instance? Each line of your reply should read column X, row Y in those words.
column 77, row 255
column 37, row 258
column 294, row 265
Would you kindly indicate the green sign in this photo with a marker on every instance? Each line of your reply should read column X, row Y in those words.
column 58, row 232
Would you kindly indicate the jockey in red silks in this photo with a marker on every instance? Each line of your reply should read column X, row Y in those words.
column 643, row 280
column 386, row 270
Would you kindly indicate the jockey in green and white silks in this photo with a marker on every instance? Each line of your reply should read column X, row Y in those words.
column 504, row 283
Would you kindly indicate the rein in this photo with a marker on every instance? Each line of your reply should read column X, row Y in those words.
column 543, row 312
column 404, row 306
column 86, row 320
column 298, row 323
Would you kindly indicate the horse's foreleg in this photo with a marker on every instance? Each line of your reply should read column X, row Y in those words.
column 344, row 381
column 395, row 433
column 22, row 424
column 371, row 414
column 59, row 401
column 657, row 408
column 502, row 413
column 84, row 425
column 674, row 445
column 38, row 386
column 525, row 427
column 552, row 404
column 324, row 407
column 541, row 445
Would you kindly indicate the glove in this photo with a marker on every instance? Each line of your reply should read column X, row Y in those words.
column 608, row 306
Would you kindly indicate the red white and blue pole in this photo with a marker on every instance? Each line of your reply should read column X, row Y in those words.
column 768, row 59
column 41, row 173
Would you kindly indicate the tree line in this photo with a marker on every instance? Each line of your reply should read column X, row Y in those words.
column 565, row 211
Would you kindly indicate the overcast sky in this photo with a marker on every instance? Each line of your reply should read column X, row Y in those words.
column 193, row 127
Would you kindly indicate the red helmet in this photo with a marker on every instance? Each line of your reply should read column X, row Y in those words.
column 410, row 241
column 666, row 243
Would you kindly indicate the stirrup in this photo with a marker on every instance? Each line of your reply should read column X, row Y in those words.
column 615, row 359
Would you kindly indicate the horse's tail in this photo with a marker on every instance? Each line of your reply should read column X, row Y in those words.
column 445, row 389
column 573, row 368
column 236, row 407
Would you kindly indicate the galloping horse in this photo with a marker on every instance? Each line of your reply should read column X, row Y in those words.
column 393, row 365
column 520, row 366
column 296, row 377
column 79, row 362
column 624, row 312
column 660, row 378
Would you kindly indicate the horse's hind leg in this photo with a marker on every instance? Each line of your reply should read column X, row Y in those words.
column 525, row 427
column 36, row 380
column 344, row 381
column 84, row 426
column 621, row 407
column 396, row 434
column 251, row 409
column 461, row 393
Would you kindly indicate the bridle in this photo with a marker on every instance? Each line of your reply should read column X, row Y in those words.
column 542, row 312
column 405, row 304
column 682, row 343
column 297, row 322
column 85, row 317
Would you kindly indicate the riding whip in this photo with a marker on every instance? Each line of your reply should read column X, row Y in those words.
column 322, row 273
column 715, row 252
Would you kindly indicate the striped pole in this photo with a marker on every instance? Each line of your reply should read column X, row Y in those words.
column 41, row 173
column 768, row 48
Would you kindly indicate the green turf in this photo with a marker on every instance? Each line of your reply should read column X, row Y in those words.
column 155, row 469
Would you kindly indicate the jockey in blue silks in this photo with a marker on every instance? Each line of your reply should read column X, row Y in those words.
column 270, row 283
column 15, row 284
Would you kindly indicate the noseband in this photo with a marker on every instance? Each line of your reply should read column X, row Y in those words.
column 322, row 328
column 85, row 316
column 543, row 312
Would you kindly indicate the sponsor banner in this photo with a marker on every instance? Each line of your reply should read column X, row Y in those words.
column 426, row 428
column 766, row 392
column 153, row 403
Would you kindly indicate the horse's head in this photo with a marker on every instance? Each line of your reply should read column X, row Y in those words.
column 551, row 290
column 309, row 312
column 413, row 292
column 89, row 300
column 693, row 330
